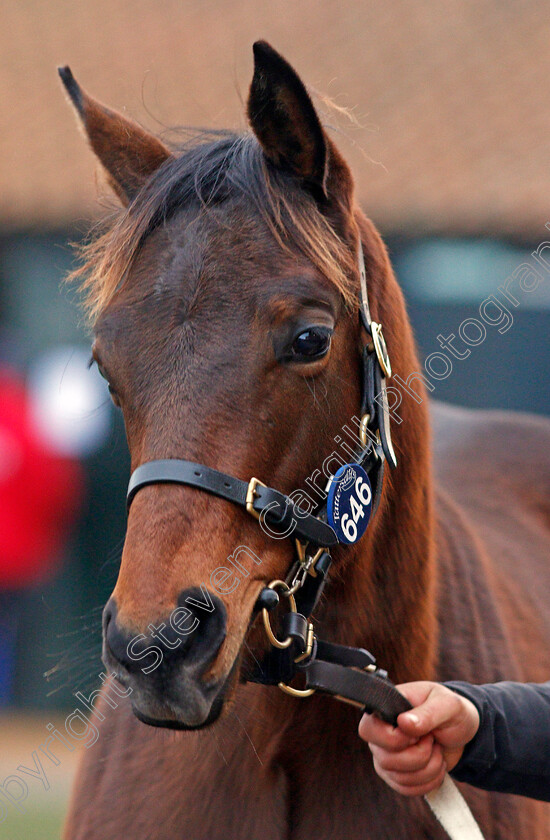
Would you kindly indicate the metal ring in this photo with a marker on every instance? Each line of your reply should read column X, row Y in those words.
column 275, row 584
column 296, row 692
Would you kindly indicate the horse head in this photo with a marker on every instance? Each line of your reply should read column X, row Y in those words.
column 224, row 301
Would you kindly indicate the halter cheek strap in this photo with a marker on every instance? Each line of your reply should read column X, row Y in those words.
column 374, row 380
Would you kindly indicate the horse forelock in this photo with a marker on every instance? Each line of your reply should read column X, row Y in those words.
column 212, row 168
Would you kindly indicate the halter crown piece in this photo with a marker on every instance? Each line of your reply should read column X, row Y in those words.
column 348, row 674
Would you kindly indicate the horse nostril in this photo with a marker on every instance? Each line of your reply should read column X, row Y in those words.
column 206, row 614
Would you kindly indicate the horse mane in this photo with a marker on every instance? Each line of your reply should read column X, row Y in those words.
column 211, row 168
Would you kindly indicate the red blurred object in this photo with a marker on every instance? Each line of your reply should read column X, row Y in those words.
column 40, row 492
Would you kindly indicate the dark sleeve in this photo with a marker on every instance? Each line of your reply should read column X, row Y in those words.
column 511, row 750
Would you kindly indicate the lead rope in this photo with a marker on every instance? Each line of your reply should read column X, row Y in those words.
column 452, row 811
column 351, row 676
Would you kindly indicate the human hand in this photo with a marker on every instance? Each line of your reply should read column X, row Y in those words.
column 427, row 742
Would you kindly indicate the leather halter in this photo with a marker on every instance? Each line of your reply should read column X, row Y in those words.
column 343, row 672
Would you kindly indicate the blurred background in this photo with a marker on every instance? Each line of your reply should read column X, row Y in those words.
column 451, row 154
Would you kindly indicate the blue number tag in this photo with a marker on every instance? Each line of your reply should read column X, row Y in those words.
column 349, row 503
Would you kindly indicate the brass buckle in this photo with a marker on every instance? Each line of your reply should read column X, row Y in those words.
column 365, row 420
column 363, row 426
column 381, row 349
column 251, row 494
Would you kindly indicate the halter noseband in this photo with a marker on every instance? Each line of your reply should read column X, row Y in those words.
column 264, row 503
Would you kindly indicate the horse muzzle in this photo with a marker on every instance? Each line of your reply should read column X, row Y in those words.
column 165, row 666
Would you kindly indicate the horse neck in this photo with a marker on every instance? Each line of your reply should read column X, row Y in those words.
column 383, row 589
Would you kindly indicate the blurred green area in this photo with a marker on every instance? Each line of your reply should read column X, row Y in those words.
column 41, row 814
column 43, row 821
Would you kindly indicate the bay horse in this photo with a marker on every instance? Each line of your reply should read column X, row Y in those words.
column 224, row 301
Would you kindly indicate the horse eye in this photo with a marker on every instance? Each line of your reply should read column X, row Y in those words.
column 112, row 392
column 312, row 343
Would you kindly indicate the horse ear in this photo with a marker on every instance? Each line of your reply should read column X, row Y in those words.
column 128, row 153
column 284, row 120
